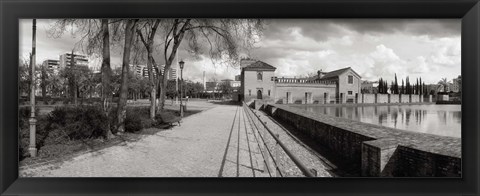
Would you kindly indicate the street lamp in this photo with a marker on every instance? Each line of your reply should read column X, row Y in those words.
column 32, row 148
column 182, row 64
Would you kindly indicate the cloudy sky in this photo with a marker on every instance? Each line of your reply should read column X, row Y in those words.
column 374, row 48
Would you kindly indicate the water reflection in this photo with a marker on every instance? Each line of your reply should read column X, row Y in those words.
column 434, row 119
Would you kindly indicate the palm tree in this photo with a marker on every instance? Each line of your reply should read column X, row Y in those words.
column 443, row 83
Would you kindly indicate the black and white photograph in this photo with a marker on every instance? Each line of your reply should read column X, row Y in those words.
column 233, row 97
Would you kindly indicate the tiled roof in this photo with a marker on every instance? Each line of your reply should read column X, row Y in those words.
column 260, row 65
column 337, row 73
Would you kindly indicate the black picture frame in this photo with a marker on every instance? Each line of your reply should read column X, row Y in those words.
column 467, row 10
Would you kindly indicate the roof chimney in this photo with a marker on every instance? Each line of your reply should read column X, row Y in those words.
column 320, row 73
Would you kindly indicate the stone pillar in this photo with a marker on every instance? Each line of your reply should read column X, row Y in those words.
column 420, row 98
column 343, row 98
column 32, row 148
column 376, row 98
column 410, row 98
column 375, row 158
column 363, row 98
column 388, row 98
column 430, row 98
column 327, row 98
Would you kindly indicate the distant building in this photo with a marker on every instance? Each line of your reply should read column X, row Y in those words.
column 65, row 60
column 369, row 87
column 52, row 65
column 455, row 86
column 212, row 87
column 258, row 81
column 172, row 73
column 142, row 70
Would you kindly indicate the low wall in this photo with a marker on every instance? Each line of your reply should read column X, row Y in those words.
column 394, row 98
column 297, row 93
column 382, row 98
column 404, row 98
column 376, row 150
column 415, row 98
column 368, row 98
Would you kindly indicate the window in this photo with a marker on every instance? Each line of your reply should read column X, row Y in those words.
column 268, row 92
column 249, row 92
column 350, row 92
column 350, row 79
column 259, row 75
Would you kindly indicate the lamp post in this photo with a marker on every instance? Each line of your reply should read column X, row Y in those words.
column 181, row 63
column 32, row 148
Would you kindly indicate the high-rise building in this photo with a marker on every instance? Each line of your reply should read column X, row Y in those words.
column 172, row 74
column 142, row 70
column 65, row 60
column 51, row 64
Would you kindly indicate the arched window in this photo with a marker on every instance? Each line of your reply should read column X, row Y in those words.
column 259, row 75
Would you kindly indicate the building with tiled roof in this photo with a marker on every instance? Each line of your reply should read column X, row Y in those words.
column 258, row 81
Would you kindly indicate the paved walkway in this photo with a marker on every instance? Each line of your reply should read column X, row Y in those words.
column 218, row 142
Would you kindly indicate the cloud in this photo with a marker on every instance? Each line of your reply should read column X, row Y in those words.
column 384, row 54
column 374, row 48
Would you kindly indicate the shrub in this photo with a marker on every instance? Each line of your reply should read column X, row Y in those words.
column 42, row 130
column 137, row 118
column 81, row 122
column 159, row 118
column 133, row 123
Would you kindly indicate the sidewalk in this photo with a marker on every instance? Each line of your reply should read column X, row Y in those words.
column 216, row 142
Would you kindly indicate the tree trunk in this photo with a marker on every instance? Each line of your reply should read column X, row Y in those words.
column 106, row 77
column 122, row 101
column 163, row 87
column 148, row 42
column 153, row 91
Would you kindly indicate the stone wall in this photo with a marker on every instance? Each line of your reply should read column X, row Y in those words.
column 368, row 98
column 382, row 98
column 415, row 99
column 376, row 150
column 394, row 98
column 297, row 92
column 404, row 98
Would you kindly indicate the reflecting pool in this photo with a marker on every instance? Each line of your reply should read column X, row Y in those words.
column 434, row 119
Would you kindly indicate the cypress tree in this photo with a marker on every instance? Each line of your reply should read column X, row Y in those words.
column 402, row 91
column 395, row 86
column 380, row 85
column 416, row 88
column 424, row 89
column 386, row 87
column 407, row 86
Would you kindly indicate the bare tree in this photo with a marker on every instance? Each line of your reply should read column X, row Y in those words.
column 224, row 40
column 147, row 33
column 106, row 75
column 95, row 38
column 122, row 101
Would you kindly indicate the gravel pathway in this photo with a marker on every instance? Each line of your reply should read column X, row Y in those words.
column 194, row 149
column 219, row 142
